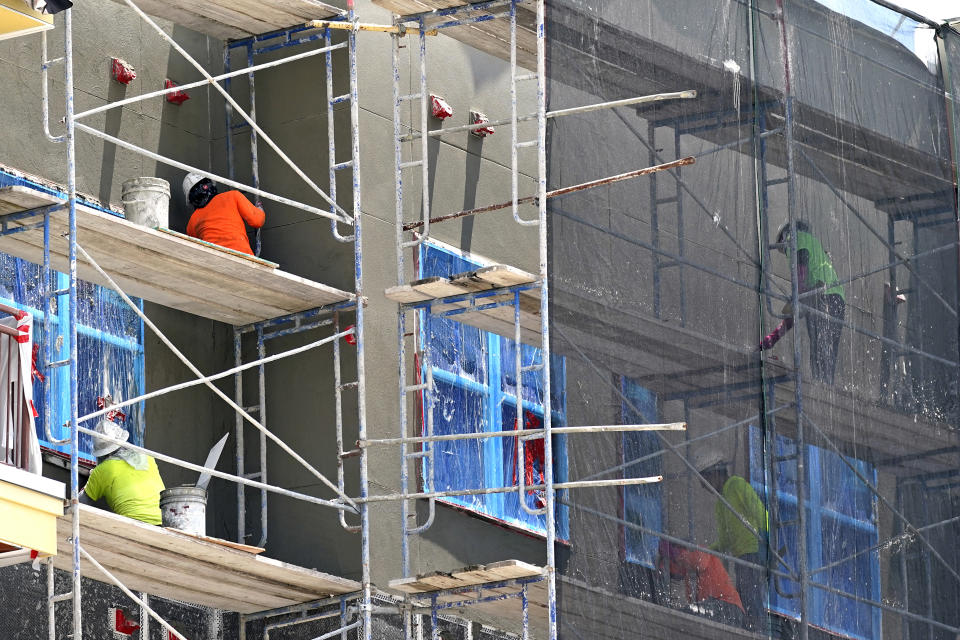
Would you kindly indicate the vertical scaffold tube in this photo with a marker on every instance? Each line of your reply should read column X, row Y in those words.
column 72, row 328
column 254, row 151
column 262, row 408
column 404, row 462
column 238, row 430
column 398, row 155
column 545, row 320
column 360, row 336
column 795, row 302
column 424, row 139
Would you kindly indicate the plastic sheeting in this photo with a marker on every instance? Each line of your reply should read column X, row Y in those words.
column 109, row 345
column 832, row 116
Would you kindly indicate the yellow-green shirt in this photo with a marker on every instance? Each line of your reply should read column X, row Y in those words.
column 819, row 268
column 732, row 536
column 129, row 492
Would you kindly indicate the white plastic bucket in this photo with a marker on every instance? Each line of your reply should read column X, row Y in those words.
column 146, row 201
column 184, row 508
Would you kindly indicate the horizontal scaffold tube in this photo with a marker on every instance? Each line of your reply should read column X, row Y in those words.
column 200, row 83
column 526, row 433
column 675, row 95
column 217, row 376
column 362, row 26
column 206, row 174
column 217, row 474
column 577, row 484
column 682, row 162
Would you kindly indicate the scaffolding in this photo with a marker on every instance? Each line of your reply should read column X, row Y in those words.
column 83, row 241
column 515, row 304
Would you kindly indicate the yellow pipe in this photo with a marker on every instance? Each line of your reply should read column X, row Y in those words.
column 384, row 28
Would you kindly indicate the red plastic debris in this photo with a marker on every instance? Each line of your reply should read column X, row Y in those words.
column 350, row 339
column 176, row 97
column 479, row 118
column 440, row 108
column 122, row 71
column 122, row 626
column 533, row 459
column 114, row 415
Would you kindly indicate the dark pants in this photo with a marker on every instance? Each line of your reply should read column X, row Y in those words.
column 752, row 586
column 825, row 335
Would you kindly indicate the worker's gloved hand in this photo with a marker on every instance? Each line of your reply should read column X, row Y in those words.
column 768, row 341
column 771, row 338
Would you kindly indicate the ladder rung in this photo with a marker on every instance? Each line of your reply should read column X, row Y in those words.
column 252, row 476
column 252, row 409
column 338, row 99
column 416, row 387
column 59, row 363
column 412, row 163
column 669, row 200
column 778, row 181
column 529, row 76
column 353, row 453
column 419, row 454
column 532, row 367
column 61, row 597
column 349, row 385
column 342, row 165
column 671, row 263
column 411, row 96
column 528, row 143
column 60, row 292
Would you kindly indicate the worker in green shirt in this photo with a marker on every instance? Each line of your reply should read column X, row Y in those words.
column 128, row 480
column 735, row 539
column 816, row 273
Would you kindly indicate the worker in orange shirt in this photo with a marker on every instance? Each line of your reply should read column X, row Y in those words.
column 708, row 584
column 220, row 218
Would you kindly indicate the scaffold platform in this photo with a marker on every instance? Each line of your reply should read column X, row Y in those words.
column 485, row 593
column 490, row 36
column 483, row 298
column 234, row 19
column 170, row 564
column 162, row 267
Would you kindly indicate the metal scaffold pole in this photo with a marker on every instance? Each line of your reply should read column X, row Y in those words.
column 71, row 331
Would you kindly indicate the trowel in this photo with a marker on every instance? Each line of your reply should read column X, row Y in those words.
column 212, row 458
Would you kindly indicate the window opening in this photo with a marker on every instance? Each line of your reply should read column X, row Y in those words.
column 841, row 519
column 475, row 387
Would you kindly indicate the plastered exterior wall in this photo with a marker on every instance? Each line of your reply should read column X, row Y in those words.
column 186, row 424
column 464, row 172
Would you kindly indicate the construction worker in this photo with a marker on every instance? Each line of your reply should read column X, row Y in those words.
column 220, row 218
column 128, row 480
column 708, row 583
column 737, row 540
column 817, row 274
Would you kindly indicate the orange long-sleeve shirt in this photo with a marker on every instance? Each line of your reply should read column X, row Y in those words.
column 222, row 221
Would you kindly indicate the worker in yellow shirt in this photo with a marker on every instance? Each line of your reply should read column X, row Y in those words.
column 128, row 480
column 737, row 540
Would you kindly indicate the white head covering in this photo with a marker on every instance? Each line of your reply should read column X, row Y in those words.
column 190, row 181
column 110, row 429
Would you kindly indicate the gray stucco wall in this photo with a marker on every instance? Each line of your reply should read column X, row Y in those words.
column 187, row 423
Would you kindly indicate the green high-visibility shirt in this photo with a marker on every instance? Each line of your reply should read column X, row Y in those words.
column 732, row 536
column 819, row 268
column 129, row 492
